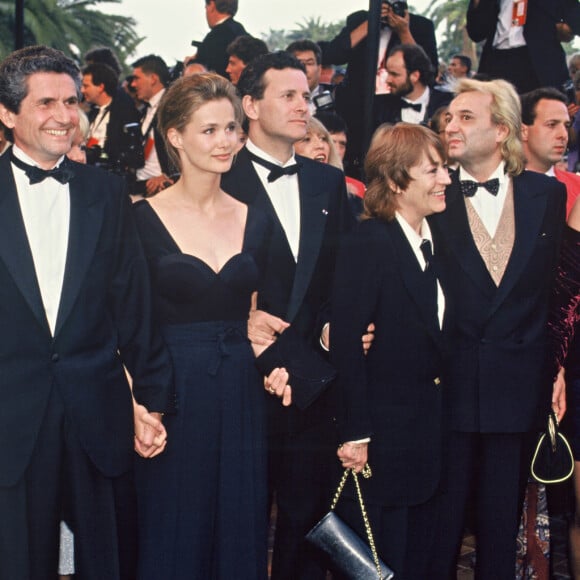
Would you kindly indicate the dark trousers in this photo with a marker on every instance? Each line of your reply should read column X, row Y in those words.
column 514, row 65
column 301, row 477
column 498, row 466
column 62, row 483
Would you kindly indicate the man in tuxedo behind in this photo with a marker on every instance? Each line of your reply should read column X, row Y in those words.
column 501, row 232
column 308, row 204
column 75, row 310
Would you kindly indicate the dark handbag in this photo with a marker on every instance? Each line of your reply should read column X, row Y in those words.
column 349, row 554
column 309, row 373
column 553, row 461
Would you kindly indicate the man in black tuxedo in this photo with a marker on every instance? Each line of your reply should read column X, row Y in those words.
column 150, row 78
column 502, row 230
column 308, row 205
column 351, row 46
column 108, row 117
column 413, row 98
column 525, row 50
column 75, row 310
column 212, row 51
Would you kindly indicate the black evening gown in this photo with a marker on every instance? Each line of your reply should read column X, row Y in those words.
column 203, row 502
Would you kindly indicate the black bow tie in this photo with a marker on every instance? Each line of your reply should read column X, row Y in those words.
column 276, row 171
column 468, row 187
column 407, row 105
column 63, row 173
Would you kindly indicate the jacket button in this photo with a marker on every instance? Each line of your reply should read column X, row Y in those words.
column 54, row 357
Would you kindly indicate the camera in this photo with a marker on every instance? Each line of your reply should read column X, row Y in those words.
column 133, row 155
column 398, row 7
column 324, row 101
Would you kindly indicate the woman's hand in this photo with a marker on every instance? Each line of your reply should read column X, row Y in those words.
column 276, row 383
column 353, row 455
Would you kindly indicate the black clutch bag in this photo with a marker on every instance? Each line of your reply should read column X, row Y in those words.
column 553, row 461
column 350, row 555
column 309, row 373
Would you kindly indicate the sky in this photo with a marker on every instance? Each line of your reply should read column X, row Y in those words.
column 171, row 25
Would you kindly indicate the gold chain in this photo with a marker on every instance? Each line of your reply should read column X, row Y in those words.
column 366, row 473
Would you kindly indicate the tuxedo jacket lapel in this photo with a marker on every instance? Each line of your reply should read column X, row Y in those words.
column 413, row 279
column 16, row 252
column 529, row 209
column 313, row 215
column 460, row 239
column 86, row 215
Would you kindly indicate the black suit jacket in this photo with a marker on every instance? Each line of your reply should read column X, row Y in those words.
column 546, row 53
column 103, row 323
column 349, row 95
column 393, row 394
column 212, row 50
column 500, row 380
column 298, row 292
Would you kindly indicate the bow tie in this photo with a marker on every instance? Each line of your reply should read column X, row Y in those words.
column 63, row 173
column 407, row 105
column 468, row 187
column 276, row 171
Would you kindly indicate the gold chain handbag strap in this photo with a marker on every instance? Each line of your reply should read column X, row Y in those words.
column 366, row 473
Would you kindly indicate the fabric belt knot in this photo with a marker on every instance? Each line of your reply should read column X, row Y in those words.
column 222, row 350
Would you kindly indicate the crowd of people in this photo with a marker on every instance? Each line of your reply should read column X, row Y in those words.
column 218, row 292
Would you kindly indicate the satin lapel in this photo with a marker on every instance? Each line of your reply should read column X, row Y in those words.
column 454, row 227
column 244, row 184
column 529, row 209
column 15, row 249
column 313, row 216
column 413, row 278
column 86, row 217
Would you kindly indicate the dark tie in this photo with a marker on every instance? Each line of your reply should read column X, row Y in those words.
column 63, row 173
column 407, row 105
column 276, row 171
column 469, row 187
column 430, row 279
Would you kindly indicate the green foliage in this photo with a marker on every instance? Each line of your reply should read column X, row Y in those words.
column 73, row 26
column 311, row 28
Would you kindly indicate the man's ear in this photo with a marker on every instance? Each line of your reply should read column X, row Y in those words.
column 414, row 77
column 7, row 117
column 525, row 130
column 251, row 107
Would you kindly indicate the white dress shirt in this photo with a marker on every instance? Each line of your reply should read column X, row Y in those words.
column 98, row 128
column 45, row 208
column 284, row 193
column 487, row 206
column 415, row 240
column 152, row 167
column 507, row 35
column 409, row 115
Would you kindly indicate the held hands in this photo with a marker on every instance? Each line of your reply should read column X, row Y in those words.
column 150, row 434
column 353, row 455
column 559, row 395
column 263, row 327
column 276, row 383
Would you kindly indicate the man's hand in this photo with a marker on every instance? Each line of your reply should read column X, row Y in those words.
column 367, row 339
column 159, row 183
column 400, row 24
column 563, row 32
column 150, row 433
column 263, row 327
column 276, row 383
column 353, row 455
column 559, row 395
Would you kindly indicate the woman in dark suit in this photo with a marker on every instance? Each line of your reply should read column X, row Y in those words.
column 390, row 406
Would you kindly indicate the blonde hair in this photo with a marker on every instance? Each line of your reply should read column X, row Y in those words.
column 506, row 110
column 315, row 126
column 393, row 151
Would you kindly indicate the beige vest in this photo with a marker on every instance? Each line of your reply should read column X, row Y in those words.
column 495, row 251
